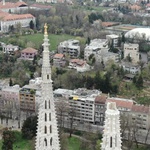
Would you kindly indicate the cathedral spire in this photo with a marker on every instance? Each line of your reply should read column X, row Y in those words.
column 111, row 136
column 47, row 131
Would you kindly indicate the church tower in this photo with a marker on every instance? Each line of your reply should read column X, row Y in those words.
column 47, row 130
column 111, row 136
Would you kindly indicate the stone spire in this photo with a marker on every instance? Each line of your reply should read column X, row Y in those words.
column 47, row 130
column 111, row 136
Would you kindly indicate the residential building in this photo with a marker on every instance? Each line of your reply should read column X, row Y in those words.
column 131, row 68
column 62, row 93
column 28, row 98
column 59, row 60
column 9, row 100
column 79, row 65
column 28, row 53
column 9, row 20
column 132, row 50
column 10, row 96
column 123, row 105
column 70, row 47
column 100, row 108
column 9, row 49
column 10, row 7
column 113, row 40
column 140, row 117
column 82, row 101
column 96, row 47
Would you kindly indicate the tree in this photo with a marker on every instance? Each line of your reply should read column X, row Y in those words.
column 71, row 114
column 139, row 82
column 31, row 24
column 10, row 82
column 8, row 140
column 29, row 127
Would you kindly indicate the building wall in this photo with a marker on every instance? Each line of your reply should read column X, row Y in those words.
column 23, row 22
column 25, row 55
column 133, row 51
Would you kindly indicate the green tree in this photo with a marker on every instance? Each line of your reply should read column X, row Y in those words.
column 139, row 82
column 10, row 82
column 8, row 140
column 29, row 127
column 31, row 24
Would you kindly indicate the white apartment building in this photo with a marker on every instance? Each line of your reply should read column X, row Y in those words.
column 96, row 47
column 8, row 20
column 9, row 49
column 99, row 47
column 83, row 103
column 132, row 50
column 131, row 68
column 113, row 39
column 70, row 47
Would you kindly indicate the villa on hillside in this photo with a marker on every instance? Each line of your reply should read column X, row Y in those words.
column 28, row 53
column 79, row 65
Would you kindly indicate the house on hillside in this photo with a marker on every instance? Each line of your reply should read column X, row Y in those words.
column 9, row 49
column 28, row 53
column 79, row 65
column 70, row 48
column 59, row 60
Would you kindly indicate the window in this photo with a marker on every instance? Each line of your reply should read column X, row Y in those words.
column 45, row 104
column 49, row 116
column 51, row 141
column 50, row 128
column 47, row 76
column 45, row 117
column 110, row 141
column 45, row 141
column 49, row 104
column 45, row 129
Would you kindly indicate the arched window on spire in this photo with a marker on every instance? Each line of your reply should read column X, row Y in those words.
column 50, row 128
column 51, row 141
column 48, row 76
column 45, row 117
column 45, row 142
column 110, row 141
column 45, row 129
column 49, row 104
column 45, row 104
column 49, row 116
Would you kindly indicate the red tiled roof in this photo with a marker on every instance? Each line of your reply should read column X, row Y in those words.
column 58, row 55
column 77, row 61
column 148, row 5
column 135, row 7
column 20, row 4
column 29, row 50
column 17, row 17
column 101, row 99
column 109, row 24
column 121, row 102
column 11, row 5
column 140, row 108
column 40, row 6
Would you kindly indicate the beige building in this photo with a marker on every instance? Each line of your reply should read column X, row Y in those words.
column 132, row 50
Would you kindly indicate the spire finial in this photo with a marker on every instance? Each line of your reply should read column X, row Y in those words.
column 45, row 29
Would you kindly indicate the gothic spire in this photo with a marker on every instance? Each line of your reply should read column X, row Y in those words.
column 47, row 131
